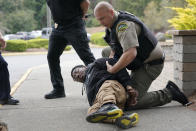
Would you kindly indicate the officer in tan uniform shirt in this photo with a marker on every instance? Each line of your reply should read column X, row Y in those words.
column 136, row 48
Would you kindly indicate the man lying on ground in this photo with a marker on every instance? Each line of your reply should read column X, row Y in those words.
column 106, row 96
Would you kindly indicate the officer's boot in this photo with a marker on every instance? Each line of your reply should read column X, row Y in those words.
column 177, row 95
column 55, row 94
column 106, row 112
column 127, row 121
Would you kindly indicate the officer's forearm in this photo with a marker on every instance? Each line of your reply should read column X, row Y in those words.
column 126, row 58
column 84, row 6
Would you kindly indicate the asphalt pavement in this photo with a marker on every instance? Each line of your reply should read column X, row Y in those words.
column 34, row 113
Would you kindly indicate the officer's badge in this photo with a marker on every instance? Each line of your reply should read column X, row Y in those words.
column 122, row 26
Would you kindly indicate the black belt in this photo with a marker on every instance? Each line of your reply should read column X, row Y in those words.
column 157, row 61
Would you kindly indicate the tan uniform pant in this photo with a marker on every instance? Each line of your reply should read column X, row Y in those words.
column 110, row 91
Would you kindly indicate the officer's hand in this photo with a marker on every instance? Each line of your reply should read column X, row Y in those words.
column 132, row 96
column 109, row 67
column 84, row 17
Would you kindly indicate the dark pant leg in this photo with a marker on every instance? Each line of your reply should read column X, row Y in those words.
column 83, row 51
column 4, row 80
column 153, row 99
column 141, row 81
column 57, row 45
column 77, row 37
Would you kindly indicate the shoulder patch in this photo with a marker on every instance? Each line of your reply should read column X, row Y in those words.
column 121, row 27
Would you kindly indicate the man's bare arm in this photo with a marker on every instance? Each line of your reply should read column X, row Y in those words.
column 132, row 96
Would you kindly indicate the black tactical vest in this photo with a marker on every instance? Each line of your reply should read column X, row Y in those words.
column 147, row 41
column 65, row 12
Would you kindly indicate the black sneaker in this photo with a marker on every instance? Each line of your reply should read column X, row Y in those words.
column 127, row 121
column 55, row 94
column 106, row 112
column 177, row 95
column 12, row 101
column 2, row 102
column 9, row 101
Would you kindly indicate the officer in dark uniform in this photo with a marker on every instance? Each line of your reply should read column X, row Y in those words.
column 69, row 17
column 5, row 97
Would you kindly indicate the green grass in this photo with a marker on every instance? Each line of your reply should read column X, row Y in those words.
column 97, row 39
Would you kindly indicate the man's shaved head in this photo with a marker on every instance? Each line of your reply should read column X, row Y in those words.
column 104, row 13
column 103, row 5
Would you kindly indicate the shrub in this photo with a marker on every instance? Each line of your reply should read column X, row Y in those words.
column 186, row 17
column 16, row 45
column 37, row 43
column 167, row 36
column 22, row 45
column 97, row 39
column 46, row 46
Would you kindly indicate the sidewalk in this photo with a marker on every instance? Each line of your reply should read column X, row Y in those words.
column 34, row 113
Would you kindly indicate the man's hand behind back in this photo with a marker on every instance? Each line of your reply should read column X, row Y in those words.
column 132, row 96
column 84, row 6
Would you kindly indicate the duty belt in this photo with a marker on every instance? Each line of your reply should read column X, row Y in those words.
column 157, row 61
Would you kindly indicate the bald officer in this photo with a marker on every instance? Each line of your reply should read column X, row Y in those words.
column 135, row 47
